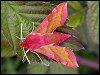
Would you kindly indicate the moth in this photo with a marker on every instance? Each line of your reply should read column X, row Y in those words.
column 45, row 41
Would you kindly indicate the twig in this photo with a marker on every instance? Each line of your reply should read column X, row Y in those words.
column 89, row 63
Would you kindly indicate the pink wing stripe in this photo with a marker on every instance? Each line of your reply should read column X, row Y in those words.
column 45, row 22
column 37, row 40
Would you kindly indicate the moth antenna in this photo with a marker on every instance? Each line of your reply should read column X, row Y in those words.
column 33, row 27
column 21, row 32
column 41, row 59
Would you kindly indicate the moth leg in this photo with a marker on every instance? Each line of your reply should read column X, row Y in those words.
column 41, row 59
column 26, row 55
column 23, row 47
column 38, row 56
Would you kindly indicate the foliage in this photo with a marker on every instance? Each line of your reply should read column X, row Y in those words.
column 16, row 13
column 93, row 21
column 13, row 13
column 78, row 17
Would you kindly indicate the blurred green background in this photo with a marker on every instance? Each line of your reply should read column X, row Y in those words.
column 83, row 16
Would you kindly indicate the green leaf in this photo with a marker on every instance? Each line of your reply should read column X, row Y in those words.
column 8, row 26
column 57, row 68
column 76, row 19
column 75, row 4
column 73, row 43
column 13, row 13
column 10, row 69
column 93, row 21
column 6, row 51
column 36, row 69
